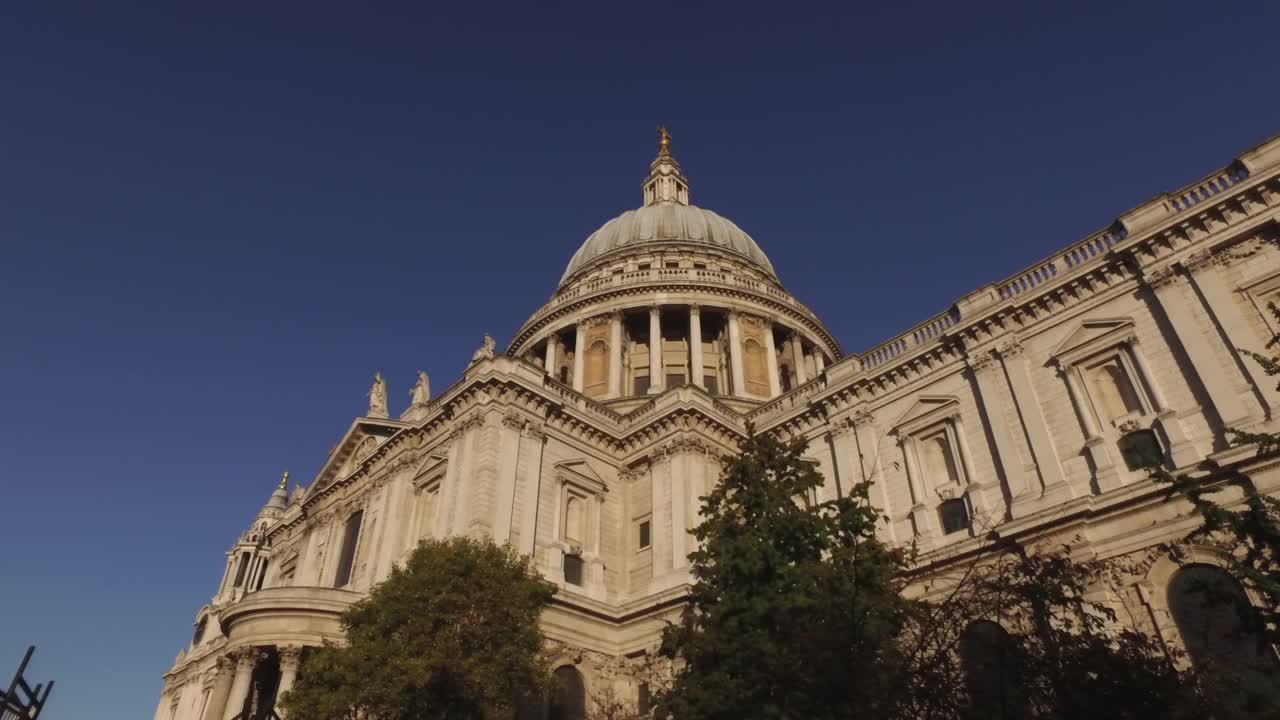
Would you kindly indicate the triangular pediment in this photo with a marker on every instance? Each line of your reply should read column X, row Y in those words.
column 431, row 465
column 1093, row 334
column 581, row 472
column 928, row 408
column 360, row 441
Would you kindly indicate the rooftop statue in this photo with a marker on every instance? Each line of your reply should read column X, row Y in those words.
column 421, row 391
column 378, row 397
column 485, row 351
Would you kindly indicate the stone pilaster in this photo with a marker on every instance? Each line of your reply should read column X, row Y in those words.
column 615, row 355
column 986, row 373
column 695, row 346
column 535, row 440
column 508, row 467
column 657, row 378
column 1054, row 487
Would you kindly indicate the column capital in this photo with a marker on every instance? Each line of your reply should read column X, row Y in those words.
column 245, row 658
column 1011, row 348
column 978, row 362
column 695, row 308
column 1162, row 277
column 1202, row 260
column 290, row 656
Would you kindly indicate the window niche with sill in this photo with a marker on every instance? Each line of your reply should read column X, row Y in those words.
column 1122, row 413
column 576, row 550
column 931, row 438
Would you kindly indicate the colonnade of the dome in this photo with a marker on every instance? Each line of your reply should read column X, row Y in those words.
column 639, row 351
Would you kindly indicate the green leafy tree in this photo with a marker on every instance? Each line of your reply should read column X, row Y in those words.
column 1015, row 635
column 794, row 602
column 452, row 634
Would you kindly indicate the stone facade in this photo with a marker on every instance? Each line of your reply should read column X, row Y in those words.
column 588, row 442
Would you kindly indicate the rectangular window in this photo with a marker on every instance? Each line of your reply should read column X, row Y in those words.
column 244, row 567
column 641, row 385
column 642, row 266
column 573, row 569
column 643, row 703
column 350, row 536
column 673, row 264
column 644, row 534
column 711, row 383
column 675, row 379
column 699, row 266
column 954, row 516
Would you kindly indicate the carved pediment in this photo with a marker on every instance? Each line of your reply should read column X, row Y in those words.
column 1091, row 336
column 360, row 441
column 431, row 467
column 927, row 410
column 579, row 472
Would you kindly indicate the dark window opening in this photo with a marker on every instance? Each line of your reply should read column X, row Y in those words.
column 573, row 569
column 989, row 659
column 244, row 567
column 569, row 699
column 644, row 534
column 641, row 385
column 954, row 515
column 1140, row 449
column 564, row 376
column 643, row 702
column 642, row 266
column 712, row 383
column 699, row 266
column 675, row 379
column 198, row 635
column 350, row 537
column 784, row 377
column 1225, row 638
column 673, row 264
column 262, row 576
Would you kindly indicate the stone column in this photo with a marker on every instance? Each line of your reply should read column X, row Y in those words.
column 735, row 356
column 615, row 355
column 771, row 360
column 533, row 488
column 924, row 516
column 1106, row 472
column 579, row 356
column 245, row 659
column 290, row 657
column 695, row 346
column 797, row 358
column 1169, row 289
column 1220, row 304
column 507, row 469
column 985, row 370
column 224, row 668
column 819, row 361
column 1054, row 486
column 985, row 497
column 1182, row 451
column 550, row 361
column 868, row 451
column 679, row 464
column 656, row 377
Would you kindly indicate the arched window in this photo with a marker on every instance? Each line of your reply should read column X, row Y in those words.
column 989, row 658
column 1222, row 634
column 573, row 520
column 753, row 367
column 938, row 462
column 198, row 635
column 569, row 697
column 1115, row 392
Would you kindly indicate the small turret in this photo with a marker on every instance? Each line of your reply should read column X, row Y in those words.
column 666, row 183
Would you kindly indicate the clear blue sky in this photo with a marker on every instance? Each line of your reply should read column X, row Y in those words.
column 219, row 219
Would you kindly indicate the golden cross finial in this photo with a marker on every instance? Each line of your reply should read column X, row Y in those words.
column 664, row 140
column 284, row 481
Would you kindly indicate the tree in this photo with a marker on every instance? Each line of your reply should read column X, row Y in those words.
column 794, row 602
column 1014, row 634
column 1245, row 524
column 453, row 634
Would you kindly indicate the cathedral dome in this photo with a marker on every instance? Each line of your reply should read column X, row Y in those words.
column 667, row 222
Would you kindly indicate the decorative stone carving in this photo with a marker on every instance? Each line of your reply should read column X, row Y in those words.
column 1163, row 276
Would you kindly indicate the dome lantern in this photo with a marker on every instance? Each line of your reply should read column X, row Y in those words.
column 666, row 183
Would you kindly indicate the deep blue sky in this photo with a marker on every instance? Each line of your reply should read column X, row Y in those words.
column 219, row 219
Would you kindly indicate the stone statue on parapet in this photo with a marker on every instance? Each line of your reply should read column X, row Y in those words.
column 378, row 398
column 485, row 351
column 421, row 392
